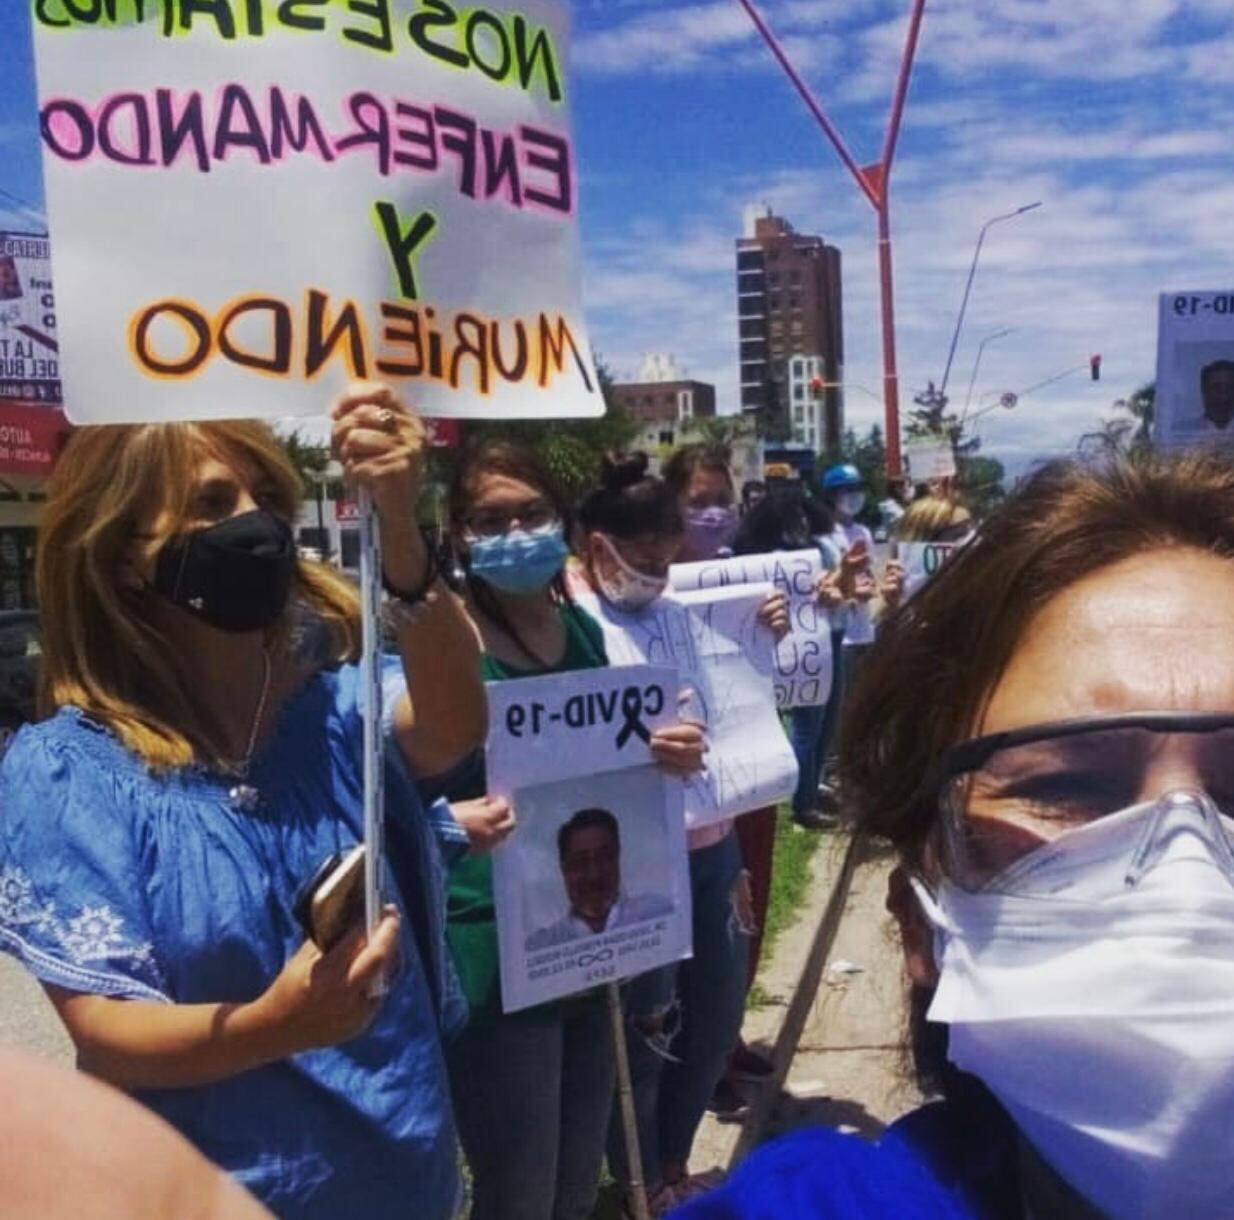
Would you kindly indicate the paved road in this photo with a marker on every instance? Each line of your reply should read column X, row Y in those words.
column 27, row 1021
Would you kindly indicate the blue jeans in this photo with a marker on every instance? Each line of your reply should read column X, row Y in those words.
column 806, row 734
column 532, row 1098
column 707, row 994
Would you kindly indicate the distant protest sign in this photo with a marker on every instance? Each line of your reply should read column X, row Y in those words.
column 803, row 658
column 593, row 885
column 929, row 458
column 253, row 203
column 29, row 350
column 922, row 560
column 725, row 661
column 1194, row 403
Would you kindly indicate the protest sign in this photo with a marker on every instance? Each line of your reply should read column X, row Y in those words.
column 921, row 560
column 593, row 886
column 929, row 458
column 1194, row 402
column 803, row 657
column 29, row 350
column 252, row 204
column 725, row 660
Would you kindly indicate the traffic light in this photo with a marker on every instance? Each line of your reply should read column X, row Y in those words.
column 1094, row 365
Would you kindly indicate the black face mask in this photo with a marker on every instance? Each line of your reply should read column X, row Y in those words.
column 236, row 575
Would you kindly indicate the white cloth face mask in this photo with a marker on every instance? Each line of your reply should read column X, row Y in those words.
column 1090, row 986
column 627, row 588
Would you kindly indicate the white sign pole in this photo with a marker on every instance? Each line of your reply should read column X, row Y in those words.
column 370, row 679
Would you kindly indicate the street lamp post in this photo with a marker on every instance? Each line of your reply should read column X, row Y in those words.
column 968, row 287
column 972, row 381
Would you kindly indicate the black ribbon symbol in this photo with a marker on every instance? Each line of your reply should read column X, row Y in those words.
column 632, row 710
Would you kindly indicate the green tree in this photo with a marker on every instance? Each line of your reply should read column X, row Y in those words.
column 308, row 459
column 979, row 480
column 1141, row 407
column 571, row 448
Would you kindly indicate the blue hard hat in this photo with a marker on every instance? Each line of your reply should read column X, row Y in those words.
column 842, row 476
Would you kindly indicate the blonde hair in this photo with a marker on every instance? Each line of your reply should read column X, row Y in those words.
column 120, row 486
column 926, row 518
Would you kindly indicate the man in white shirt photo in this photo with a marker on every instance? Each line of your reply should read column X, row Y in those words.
column 589, row 852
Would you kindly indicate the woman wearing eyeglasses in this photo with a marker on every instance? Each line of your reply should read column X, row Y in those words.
column 1046, row 733
column 532, row 1090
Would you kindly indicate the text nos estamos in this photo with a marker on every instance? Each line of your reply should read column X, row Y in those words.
column 503, row 46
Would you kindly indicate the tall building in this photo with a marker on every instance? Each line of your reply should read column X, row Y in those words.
column 664, row 401
column 788, row 305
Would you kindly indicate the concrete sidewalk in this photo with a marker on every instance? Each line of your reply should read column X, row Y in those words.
column 836, row 1037
column 851, row 1070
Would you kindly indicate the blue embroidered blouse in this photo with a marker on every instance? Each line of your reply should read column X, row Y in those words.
column 117, row 882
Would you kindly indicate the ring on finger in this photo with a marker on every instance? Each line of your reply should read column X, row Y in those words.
column 385, row 419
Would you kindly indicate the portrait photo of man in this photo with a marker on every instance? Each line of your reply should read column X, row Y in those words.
column 589, row 855
column 1217, row 392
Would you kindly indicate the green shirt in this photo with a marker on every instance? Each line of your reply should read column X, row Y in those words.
column 471, row 928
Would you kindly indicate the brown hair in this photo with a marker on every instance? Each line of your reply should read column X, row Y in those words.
column 939, row 656
column 101, row 651
column 683, row 462
column 514, row 461
column 630, row 502
column 925, row 519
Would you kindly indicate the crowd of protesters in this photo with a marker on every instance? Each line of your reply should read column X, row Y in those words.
column 195, row 763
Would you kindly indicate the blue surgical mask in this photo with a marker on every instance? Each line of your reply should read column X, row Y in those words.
column 519, row 562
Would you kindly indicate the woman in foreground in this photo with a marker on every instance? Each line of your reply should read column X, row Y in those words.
column 193, row 775
column 1046, row 733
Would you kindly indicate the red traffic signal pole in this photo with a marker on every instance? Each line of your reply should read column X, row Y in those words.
column 874, row 182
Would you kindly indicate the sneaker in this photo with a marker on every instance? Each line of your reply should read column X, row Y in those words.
column 745, row 1064
column 727, row 1104
column 815, row 819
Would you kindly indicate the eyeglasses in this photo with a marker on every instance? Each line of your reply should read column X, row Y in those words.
column 1003, row 795
column 494, row 522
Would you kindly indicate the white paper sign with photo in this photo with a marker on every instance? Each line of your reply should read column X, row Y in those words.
column 593, row 886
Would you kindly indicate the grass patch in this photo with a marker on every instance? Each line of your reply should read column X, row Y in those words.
column 790, row 878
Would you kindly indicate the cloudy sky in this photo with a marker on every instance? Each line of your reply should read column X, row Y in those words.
column 1113, row 113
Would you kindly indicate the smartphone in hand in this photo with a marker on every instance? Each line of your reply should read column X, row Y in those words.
column 331, row 903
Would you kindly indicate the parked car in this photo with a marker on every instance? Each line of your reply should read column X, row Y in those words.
column 19, row 665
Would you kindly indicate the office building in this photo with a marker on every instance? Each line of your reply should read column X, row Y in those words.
column 789, row 305
column 663, row 400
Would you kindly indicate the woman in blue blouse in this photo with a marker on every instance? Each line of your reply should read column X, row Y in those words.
column 193, row 773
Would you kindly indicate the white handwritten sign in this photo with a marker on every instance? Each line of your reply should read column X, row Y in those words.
column 593, row 886
column 725, row 659
column 803, row 662
column 251, row 204
column 922, row 560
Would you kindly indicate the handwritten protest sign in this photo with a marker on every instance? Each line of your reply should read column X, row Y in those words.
column 922, row 560
column 725, row 659
column 593, row 886
column 29, row 350
column 252, row 204
column 803, row 661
